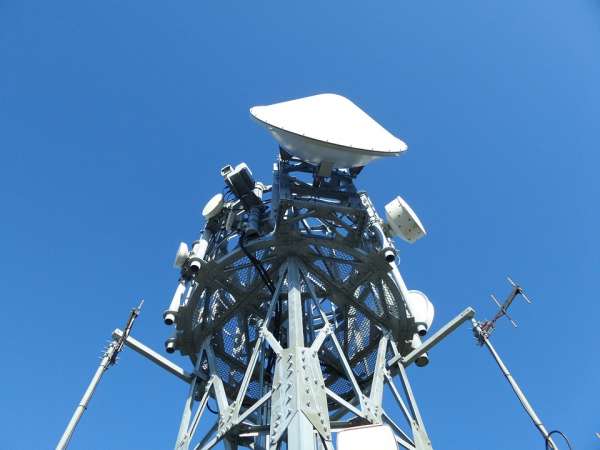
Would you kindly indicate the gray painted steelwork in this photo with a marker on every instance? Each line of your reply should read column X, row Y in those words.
column 293, row 312
column 155, row 357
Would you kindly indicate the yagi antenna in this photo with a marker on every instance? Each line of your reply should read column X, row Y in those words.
column 488, row 326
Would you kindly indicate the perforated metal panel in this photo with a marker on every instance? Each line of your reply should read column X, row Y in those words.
column 231, row 301
column 327, row 229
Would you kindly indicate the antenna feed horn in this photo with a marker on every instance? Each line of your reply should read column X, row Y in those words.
column 170, row 345
column 194, row 264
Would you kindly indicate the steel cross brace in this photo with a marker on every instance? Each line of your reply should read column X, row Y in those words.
column 370, row 407
column 231, row 415
column 294, row 362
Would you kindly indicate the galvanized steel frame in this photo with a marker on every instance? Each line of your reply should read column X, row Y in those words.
column 318, row 229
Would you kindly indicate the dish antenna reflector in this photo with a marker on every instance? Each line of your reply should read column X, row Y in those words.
column 328, row 129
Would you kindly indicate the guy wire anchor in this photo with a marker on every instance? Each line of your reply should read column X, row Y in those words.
column 488, row 326
column 109, row 358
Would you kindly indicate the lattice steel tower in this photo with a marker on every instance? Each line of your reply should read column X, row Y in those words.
column 291, row 305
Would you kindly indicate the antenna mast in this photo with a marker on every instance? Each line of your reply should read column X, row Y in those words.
column 482, row 332
column 109, row 358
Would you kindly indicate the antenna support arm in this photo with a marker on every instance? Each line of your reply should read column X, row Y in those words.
column 438, row 336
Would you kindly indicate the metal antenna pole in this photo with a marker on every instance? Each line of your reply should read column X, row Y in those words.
column 483, row 338
column 108, row 359
column 483, row 330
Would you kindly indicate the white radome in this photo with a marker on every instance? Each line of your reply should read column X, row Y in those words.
column 182, row 254
column 213, row 206
column 328, row 128
column 422, row 310
column 402, row 221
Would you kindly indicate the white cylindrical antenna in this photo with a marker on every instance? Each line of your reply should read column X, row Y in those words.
column 169, row 314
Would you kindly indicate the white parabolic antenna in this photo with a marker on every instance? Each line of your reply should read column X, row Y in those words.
column 328, row 128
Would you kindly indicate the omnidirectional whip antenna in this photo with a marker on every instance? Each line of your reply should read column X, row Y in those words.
column 109, row 358
column 120, row 342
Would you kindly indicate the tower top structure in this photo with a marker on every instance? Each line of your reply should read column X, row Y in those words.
column 290, row 304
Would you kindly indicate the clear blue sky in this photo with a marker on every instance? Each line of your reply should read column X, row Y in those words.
column 115, row 117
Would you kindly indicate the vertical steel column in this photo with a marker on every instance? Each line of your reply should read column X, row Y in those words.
column 300, row 433
column 183, row 440
column 420, row 436
column 295, row 323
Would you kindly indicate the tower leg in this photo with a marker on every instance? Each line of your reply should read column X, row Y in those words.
column 300, row 433
column 185, row 428
column 299, row 404
column 422, row 441
column 420, row 438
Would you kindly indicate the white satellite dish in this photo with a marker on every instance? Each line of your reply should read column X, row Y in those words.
column 329, row 129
